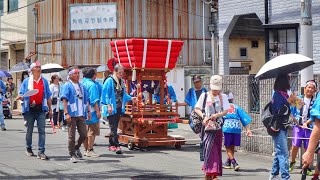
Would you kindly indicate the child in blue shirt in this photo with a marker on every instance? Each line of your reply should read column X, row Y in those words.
column 232, row 131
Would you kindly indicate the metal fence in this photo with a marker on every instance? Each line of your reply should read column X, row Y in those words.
column 252, row 96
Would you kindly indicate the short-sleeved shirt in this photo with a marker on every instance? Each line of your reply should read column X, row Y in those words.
column 37, row 98
column 198, row 93
column 79, row 94
column 213, row 106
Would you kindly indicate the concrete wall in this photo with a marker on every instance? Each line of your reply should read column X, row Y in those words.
column 255, row 56
column 280, row 11
column 229, row 11
column 17, row 33
column 13, row 24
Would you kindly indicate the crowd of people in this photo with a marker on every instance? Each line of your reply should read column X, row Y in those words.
column 78, row 105
column 301, row 120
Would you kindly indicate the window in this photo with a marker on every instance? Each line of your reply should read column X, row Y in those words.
column 254, row 44
column 4, row 60
column 1, row 7
column 12, row 5
column 282, row 41
column 243, row 53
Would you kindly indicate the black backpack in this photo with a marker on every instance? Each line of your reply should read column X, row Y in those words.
column 269, row 121
column 274, row 122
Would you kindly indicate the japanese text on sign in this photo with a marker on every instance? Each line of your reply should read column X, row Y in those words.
column 91, row 17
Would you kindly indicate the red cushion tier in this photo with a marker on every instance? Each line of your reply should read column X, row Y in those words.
column 149, row 48
column 151, row 42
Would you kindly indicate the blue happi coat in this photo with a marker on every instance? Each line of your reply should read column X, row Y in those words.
column 69, row 94
column 191, row 97
column 108, row 97
column 234, row 118
column 4, row 89
column 26, row 100
column 172, row 95
column 315, row 110
column 94, row 97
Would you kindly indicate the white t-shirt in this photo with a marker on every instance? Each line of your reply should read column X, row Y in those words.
column 209, row 108
column 55, row 93
column 80, row 104
column 305, row 109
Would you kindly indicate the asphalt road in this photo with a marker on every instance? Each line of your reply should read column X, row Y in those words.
column 153, row 163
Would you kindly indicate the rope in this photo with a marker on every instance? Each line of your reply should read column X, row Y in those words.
column 129, row 59
column 168, row 54
column 115, row 45
column 145, row 45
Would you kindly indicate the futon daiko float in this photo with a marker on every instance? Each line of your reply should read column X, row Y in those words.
column 146, row 63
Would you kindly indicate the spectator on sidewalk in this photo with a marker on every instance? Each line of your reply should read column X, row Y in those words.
column 280, row 108
column 55, row 90
column 232, row 130
column 35, row 107
column 216, row 106
column 10, row 87
column 93, row 125
column 75, row 103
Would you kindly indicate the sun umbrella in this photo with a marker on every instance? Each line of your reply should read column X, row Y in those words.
column 103, row 68
column 283, row 64
column 51, row 68
column 20, row 67
column 4, row 73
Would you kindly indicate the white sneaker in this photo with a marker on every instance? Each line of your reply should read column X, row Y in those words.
column 274, row 177
column 91, row 153
column 64, row 128
column 85, row 152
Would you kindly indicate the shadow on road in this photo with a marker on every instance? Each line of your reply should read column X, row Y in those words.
column 122, row 173
column 254, row 170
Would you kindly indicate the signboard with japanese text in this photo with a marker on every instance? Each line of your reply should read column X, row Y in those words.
column 93, row 16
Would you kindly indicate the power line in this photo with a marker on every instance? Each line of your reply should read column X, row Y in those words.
column 187, row 12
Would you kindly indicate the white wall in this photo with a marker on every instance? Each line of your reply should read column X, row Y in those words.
column 13, row 24
column 176, row 79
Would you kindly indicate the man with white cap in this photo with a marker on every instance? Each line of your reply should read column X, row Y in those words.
column 35, row 94
column 232, row 130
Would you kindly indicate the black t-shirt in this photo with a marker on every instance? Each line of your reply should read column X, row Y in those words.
column 198, row 93
column 118, row 93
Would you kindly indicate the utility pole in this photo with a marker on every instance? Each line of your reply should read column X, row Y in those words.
column 212, row 29
column 306, row 40
column 35, row 13
column 306, row 44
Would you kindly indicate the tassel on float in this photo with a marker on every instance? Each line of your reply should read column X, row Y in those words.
column 134, row 74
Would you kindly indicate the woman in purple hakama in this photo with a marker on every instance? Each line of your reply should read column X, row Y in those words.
column 216, row 106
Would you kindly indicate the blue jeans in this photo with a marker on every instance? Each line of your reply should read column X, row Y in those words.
column 1, row 115
column 41, row 123
column 280, row 161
